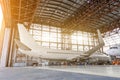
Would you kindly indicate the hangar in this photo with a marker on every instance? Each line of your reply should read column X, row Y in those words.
column 59, row 25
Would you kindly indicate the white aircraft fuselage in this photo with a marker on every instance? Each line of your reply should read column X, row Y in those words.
column 28, row 46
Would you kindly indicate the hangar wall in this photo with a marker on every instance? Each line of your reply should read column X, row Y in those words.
column 5, row 34
column 2, row 30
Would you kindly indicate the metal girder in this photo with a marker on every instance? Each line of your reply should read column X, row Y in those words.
column 72, row 9
column 22, row 9
column 67, row 14
column 51, row 14
column 89, row 11
column 87, row 19
column 111, row 26
column 53, row 11
column 49, row 18
column 60, row 7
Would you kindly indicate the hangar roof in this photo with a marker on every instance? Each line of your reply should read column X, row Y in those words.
column 85, row 15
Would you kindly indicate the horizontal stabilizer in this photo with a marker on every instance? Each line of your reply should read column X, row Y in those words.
column 21, row 45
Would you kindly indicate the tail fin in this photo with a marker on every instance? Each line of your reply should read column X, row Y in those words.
column 26, row 38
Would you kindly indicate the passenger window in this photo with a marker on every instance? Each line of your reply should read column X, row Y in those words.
column 113, row 47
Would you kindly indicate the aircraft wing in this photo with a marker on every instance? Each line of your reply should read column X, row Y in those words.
column 91, row 51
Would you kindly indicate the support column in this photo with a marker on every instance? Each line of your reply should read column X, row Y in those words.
column 11, row 47
column 5, row 48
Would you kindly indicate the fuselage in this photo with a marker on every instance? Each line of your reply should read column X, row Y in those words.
column 35, row 50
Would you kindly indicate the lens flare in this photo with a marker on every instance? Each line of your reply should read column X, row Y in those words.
column 1, row 17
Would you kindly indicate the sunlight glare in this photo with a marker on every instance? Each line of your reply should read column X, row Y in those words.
column 1, row 17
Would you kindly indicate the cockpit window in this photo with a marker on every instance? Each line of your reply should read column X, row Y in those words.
column 113, row 47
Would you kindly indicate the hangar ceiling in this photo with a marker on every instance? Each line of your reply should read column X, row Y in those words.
column 85, row 15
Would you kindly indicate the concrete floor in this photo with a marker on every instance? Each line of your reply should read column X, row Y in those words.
column 61, row 73
column 111, row 71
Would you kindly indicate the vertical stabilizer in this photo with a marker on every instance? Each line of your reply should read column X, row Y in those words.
column 26, row 38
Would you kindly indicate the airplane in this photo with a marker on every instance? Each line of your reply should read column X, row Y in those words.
column 28, row 46
column 114, row 50
column 114, row 53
